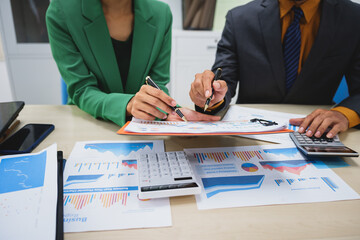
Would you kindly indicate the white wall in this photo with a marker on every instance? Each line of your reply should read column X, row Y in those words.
column 2, row 58
column 6, row 93
column 176, row 9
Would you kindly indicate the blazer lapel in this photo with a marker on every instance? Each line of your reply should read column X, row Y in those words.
column 100, row 43
column 271, row 30
column 321, row 45
column 142, row 45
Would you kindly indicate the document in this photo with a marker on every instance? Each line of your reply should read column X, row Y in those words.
column 282, row 138
column 263, row 175
column 101, row 188
column 234, row 112
column 238, row 126
column 28, row 195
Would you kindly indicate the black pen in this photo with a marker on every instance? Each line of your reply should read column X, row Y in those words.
column 150, row 82
column 216, row 77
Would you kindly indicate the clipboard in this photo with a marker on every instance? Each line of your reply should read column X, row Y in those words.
column 60, row 192
column 122, row 131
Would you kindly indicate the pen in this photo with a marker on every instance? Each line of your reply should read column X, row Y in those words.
column 150, row 82
column 216, row 77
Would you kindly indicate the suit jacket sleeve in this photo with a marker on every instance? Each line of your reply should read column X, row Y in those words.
column 352, row 76
column 227, row 59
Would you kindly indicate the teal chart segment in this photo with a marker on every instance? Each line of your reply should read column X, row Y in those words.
column 22, row 173
column 289, row 152
column 217, row 185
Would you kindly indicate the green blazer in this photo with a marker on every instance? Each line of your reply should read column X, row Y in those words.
column 82, row 48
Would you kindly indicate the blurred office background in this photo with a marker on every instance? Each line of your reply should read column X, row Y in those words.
column 28, row 72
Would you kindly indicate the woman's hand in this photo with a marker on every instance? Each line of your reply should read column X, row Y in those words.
column 145, row 102
column 192, row 115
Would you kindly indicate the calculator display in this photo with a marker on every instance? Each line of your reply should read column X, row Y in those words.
column 325, row 149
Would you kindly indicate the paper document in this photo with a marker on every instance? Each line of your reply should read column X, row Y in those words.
column 241, row 125
column 282, row 138
column 234, row 112
column 263, row 175
column 28, row 195
column 101, row 188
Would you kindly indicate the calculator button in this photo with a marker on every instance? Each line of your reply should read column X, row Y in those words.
column 152, row 188
column 162, row 154
column 171, row 155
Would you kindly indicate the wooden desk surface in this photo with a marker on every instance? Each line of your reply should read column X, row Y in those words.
column 327, row 220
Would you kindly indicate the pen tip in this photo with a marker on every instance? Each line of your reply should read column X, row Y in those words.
column 183, row 118
column 206, row 107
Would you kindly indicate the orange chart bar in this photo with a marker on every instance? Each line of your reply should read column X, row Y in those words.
column 247, row 155
column 215, row 156
column 109, row 199
column 79, row 201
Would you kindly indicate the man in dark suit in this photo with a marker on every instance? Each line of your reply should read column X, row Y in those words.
column 289, row 51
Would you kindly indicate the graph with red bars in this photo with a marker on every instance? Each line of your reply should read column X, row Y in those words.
column 80, row 201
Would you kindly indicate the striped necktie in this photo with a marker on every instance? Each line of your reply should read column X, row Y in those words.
column 291, row 48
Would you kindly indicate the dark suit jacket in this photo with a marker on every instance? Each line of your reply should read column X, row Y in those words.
column 250, row 53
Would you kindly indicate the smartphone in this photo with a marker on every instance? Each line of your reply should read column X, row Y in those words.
column 26, row 139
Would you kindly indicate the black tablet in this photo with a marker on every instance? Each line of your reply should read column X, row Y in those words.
column 8, row 113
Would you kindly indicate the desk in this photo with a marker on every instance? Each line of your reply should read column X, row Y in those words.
column 331, row 220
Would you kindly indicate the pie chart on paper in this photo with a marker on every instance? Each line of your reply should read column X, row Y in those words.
column 249, row 167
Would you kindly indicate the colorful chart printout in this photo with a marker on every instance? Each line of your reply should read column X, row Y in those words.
column 101, row 188
column 269, row 174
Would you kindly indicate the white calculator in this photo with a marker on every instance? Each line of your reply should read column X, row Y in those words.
column 165, row 174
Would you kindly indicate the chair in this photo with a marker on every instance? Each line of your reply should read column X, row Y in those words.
column 64, row 93
column 342, row 92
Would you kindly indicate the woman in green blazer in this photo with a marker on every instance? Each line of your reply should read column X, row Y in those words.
column 108, row 81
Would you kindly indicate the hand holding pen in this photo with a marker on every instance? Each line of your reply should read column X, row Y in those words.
column 150, row 82
column 216, row 77
column 150, row 103
column 205, row 87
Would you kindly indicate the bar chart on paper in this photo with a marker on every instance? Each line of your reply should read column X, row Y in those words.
column 105, row 200
column 263, row 175
column 100, row 188
column 222, row 156
column 105, row 166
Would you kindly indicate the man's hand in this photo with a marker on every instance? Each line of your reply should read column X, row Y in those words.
column 316, row 123
column 201, row 89
column 143, row 104
column 192, row 115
